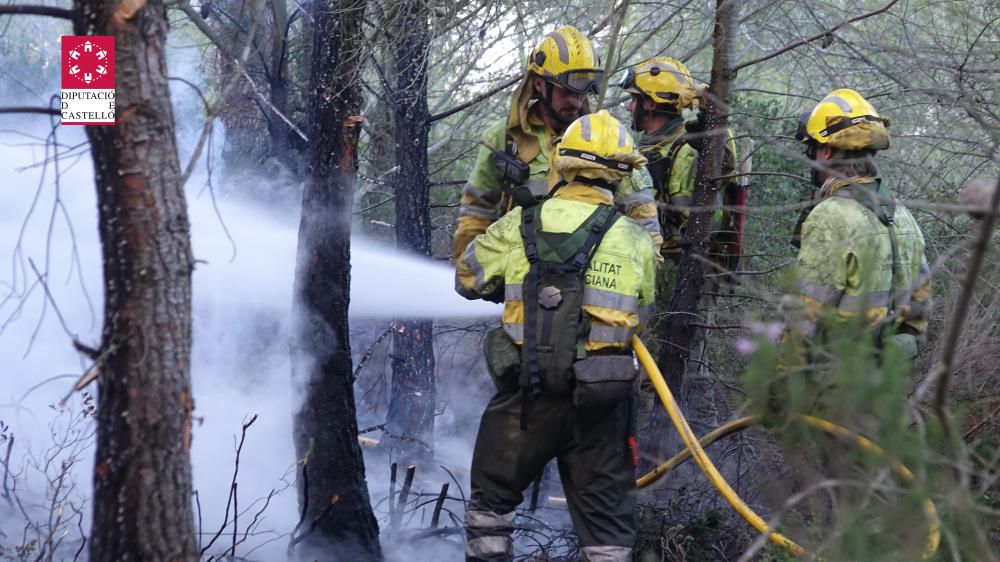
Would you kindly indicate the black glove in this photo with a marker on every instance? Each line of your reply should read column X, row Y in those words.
column 695, row 132
column 493, row 292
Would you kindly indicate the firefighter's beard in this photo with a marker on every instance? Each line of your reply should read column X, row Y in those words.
column 638, row 115
column 564, row 115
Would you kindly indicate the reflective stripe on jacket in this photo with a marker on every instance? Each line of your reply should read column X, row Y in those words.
column 480, row 204
column 618, row 283
column 845, row 264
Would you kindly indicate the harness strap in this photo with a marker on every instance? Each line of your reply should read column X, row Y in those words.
column 601, row 220
column 885, row 211
column 667, row 161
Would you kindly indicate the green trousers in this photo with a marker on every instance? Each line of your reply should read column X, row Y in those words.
column 594, row 466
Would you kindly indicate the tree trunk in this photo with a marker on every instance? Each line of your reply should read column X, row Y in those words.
column 142, row 473
column 410, row 419
column 277, row 129
column 679, row 332
column 332, row 487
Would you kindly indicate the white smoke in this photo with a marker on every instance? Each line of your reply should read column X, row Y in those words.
column 242, row 298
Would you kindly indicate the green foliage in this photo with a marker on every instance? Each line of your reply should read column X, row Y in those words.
column 702, row 537
column 848, row 504
column 20, row 553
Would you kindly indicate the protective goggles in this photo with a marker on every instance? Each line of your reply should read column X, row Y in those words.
column 802, row 132
column 628, row 81
column 579, row 81
column 628, row 84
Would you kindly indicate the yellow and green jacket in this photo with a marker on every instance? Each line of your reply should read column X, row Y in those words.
column 672, row 170
column 845, row 262
column 618, row 283
column 481, row 203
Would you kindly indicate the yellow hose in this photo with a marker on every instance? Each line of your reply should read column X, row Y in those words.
column 695, row 449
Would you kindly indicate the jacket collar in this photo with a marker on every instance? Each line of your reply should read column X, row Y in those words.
column 663, row 138
column 574, row 191
column 834, row 184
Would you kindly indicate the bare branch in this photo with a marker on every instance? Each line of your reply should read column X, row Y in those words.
column 40, row 110
column 486, row 95
column 30, row 10
column 816, row 37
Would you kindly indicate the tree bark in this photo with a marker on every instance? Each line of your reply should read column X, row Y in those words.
column 142, row 473
column 277, row 129
column 410, row 418
column 679, row 332
column 332, row 489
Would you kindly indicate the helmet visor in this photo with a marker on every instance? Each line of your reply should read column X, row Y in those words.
column 580, row 81
column 627, row 81
column 801, row 132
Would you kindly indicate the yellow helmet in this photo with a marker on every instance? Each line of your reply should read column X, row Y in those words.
column 844, row 120
column 663, row 80
column 598, row 143
column 566, row 58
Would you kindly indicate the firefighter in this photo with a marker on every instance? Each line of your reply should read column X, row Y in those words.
column 661, row 90
column 514, row 163
column 576, row 277
column 861, row 253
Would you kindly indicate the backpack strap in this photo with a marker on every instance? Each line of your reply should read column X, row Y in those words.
column 601, row 222
column 664, row 167
column 529, row 298
column 885, row 210
column 595, row 227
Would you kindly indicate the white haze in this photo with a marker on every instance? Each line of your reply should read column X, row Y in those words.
column 241, row 306
column 242, row 303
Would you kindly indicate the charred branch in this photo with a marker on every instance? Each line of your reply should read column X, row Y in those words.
column 33, row 10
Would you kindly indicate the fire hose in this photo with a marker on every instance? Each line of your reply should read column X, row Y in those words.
column 695, row 449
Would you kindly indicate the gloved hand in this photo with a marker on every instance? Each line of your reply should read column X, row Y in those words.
column 493, row 292
column 695, row 132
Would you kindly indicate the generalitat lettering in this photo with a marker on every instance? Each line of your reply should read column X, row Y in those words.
column 602, row 274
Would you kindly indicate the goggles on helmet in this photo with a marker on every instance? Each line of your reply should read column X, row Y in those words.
column 801, row 134
column 578, row 81
column 628, row 81
column 629, row 84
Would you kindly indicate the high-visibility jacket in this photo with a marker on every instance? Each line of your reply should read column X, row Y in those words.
column 672, row 167
column 845, row 261
column 618, row 282
column 480, row 203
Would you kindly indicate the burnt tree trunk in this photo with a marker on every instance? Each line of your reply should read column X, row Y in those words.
column 277, row 130
column 332, row 486
column 142, row 471
column 410, row 418
column 679, row 331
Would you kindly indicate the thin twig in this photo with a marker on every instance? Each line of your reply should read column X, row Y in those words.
column 485, row 95
column 45, row 287
column 944, row 368
column 197, row 502
column 305, row 497
column 816, row 37
column 6, row 470
column 368, row 355
column 41, row 110
column 232, row 487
